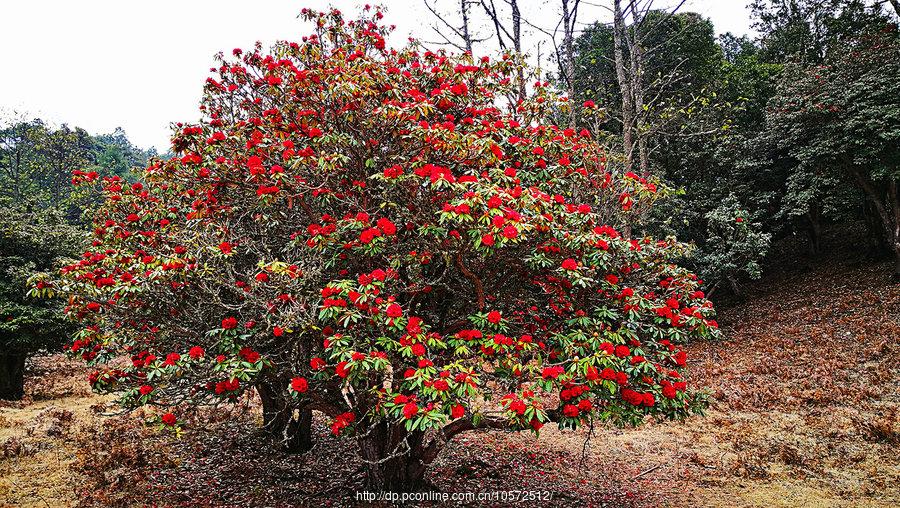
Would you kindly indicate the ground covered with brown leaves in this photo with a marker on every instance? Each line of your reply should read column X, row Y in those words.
column 805, row 413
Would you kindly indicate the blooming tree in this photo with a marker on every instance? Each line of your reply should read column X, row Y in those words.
column 374, row 234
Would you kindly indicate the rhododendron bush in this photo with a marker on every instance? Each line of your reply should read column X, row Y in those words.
column 383, row 236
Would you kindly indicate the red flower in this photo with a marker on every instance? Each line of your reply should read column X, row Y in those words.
column 410, row 410
column 394, row 311
column 254, row 164
column 510, row 232
column 196, row 352
column 368, row 235
column 632, row 397
column 145, row 389
column 393, row 171
column 494, row 317
column 249, row 355
column 342, row 421
column 458, row 411
column 570, row 410
column 570, row 264
column 418, row 349
column 612, row 279
column 386, row 226
column 518, row 406
column 299, row 385
column 169, row 419
column 487, row 239
column 342, row 370
column 229, row 323
column 317, row 363
column 552, row 372
column 225, row 247
column 668, row 392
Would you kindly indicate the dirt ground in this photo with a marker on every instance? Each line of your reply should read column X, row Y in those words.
column 805, row 413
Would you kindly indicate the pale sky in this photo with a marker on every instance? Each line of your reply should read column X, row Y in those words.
column 102, row 64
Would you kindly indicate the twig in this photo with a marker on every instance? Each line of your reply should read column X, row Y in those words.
column 648, row 471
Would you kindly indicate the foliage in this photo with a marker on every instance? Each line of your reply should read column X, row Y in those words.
column 840, row 122
column 709, row 100
column 734, row 245
column 805, row 31
column 36, row 163
column 40, row 212
column 681, row 62
column 377, row 232
column 31, row 242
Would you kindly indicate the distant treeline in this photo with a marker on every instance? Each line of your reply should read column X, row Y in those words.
column 37, row 160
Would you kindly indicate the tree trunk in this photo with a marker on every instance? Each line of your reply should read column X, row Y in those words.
column 815, row 231
column 875, row 231
column 517, row 44
column 394, row 458
column 636, row 79
column 887, row 204
column 467, row 37
column 12, row 376
column 894, row 195
column 619, row 36
column 568, row 65
column 289, row 427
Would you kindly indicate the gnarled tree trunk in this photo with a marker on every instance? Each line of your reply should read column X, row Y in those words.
column 289, row 427
column 12, row 375
column 394, row 458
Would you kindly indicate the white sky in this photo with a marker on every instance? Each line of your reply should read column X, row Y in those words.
column 101, row 64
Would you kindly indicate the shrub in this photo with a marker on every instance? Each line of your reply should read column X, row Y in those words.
column 374, row 234
column 733, row 247
column 30, row 239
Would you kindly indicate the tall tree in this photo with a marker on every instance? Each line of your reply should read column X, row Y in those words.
column 841, row 120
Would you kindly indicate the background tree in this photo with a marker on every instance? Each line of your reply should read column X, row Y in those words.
column 800, row 37
column 702, row 100
column 840, row 122
column 30, row 241
column 41, row 225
